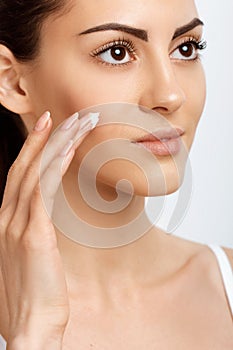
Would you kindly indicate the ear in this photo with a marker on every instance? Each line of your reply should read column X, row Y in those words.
column 13, row 93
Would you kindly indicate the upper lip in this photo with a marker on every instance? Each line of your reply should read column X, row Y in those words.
column 162, row 135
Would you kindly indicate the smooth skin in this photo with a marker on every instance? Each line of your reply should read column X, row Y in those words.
column 159, row 292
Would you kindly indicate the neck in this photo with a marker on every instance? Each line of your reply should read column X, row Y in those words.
column 100, row 248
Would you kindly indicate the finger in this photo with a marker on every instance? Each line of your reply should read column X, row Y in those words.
column 51, row 151
column 51, row 173
column 71, row 129
column 51, row 177
column 26, row 166
column 33, row 144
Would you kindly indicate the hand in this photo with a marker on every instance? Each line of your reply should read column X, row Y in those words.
column 31, row 266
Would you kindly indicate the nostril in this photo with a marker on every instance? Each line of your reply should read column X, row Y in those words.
column 161, row 110
column 171, row 104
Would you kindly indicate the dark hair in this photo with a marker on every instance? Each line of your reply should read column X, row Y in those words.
column 20, row 26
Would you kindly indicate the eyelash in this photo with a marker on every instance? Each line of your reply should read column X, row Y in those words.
column 198, row 44
column 128, row 44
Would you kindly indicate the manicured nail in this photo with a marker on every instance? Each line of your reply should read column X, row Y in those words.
column 88, row 124
column 92, row 118
column 42, row 123
column 67, row 148
column 70, row 122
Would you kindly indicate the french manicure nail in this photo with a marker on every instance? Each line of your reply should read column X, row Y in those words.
column 87, row 125
column 70, row 122
column 92, row 118
column 42, row 122
column 67, row 148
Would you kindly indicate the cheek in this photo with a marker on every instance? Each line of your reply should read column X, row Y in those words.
column 67, row 89
column 196, row 94
column 96, row 84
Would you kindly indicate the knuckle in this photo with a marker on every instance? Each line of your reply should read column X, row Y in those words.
column 29, row 173
column 12, row 231
column 34, row 240
column 26, row 241
column 36, row 192
column 36, row 203
column 13, row 168
column 2, row 226
column 3, row 220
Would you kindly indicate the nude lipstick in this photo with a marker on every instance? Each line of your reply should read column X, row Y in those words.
column 163, row 142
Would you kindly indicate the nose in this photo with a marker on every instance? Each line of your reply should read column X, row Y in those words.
column 160, row 90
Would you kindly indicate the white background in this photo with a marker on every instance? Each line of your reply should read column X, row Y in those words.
column 210, row 215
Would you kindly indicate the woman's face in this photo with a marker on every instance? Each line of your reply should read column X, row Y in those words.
column 151, row 67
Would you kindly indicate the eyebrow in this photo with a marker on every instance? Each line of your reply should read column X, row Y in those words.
column 141, row 33
column 187, row 27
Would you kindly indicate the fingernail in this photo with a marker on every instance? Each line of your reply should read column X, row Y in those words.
column 87, row 125
column 92, row 119
column 67, row 148
column 42, row 123
column 70, row 122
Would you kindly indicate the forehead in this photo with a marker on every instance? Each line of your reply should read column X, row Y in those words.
column 159, row 18
column 150, row 12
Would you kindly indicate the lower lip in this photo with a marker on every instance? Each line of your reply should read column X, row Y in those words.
column 166, row 148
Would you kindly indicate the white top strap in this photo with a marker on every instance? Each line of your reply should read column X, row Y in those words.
column 226, row 272
column 2, row 343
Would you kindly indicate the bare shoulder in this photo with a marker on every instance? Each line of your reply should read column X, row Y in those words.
column 190, row 250
column 198, row 257
column 203, row 259
column 199, row 253
column 203, row 270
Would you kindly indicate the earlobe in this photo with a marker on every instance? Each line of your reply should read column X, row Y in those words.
column 12, row 96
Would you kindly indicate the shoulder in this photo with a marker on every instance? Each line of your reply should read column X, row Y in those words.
column 200, row 254
column 207, row 262
column 202, row 263
column 202, row 275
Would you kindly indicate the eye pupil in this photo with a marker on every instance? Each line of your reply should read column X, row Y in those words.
column 186, row 50
column 118, row 53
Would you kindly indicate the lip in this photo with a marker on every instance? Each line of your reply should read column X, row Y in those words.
column 163, row 142
column 162, row 135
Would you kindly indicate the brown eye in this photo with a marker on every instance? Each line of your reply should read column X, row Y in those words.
column 187, row 51
column 118, row 53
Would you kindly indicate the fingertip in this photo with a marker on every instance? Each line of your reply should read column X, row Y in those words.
column 43, row 122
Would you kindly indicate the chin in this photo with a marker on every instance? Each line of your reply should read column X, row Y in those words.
column 128, row 178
